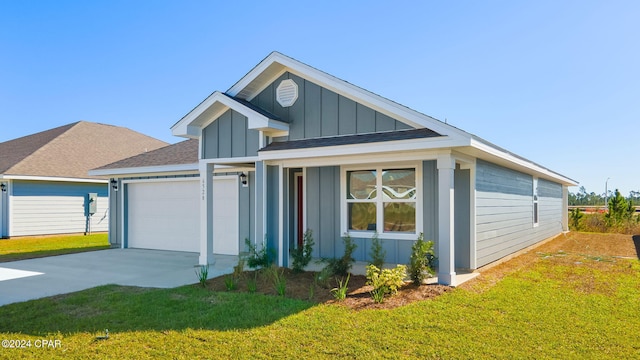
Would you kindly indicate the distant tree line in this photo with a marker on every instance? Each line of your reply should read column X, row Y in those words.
column 582, row 197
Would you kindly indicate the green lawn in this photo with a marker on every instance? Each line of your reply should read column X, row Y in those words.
column 34, row 247
column 560, row 305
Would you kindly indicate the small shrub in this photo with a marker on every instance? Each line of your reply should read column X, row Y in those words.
column 252, row 284
column 312, row 291
column 340, row 292
column 377, row 252
column 258, row 259
column 302, row 255
column 341, row 266
column 202, row 272
column 322, row 277
column 279, row 281
column 386, row 281
column 575, row 217
column 230, row 283
column 422, row 260
column 238, row 269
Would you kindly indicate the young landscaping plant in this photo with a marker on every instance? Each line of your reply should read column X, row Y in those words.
column 258, row 259
column 302, row 255
column 377, row 252
column 575, row 216
column 386, row 281
column 340, row 292
column 230, row 283
column 279, row 281
column 202, row 273
column 422, row 261
column 341, row 266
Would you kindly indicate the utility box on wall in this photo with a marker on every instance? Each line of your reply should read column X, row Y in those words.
column 92, row 204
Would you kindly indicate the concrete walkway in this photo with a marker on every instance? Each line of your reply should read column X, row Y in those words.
column 36, row 278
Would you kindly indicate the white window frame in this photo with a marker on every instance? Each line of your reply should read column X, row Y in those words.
column 536, row 204
column 378, row 167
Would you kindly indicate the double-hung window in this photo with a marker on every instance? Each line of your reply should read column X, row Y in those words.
column 382, row 199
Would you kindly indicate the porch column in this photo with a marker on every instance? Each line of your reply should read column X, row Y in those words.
column 206, row 214
column 281, row 204
column 261, row 203
column 446, row 250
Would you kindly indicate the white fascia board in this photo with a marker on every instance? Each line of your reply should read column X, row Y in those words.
column 53, row 178
column 400, row 157
column 146, row 170
column 266, row 124
column 511, row 160
column 385, row 106
column 231, row 161
column 192, row 123
column 367, row 148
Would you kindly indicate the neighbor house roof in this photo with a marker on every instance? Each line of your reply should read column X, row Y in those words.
column 70, row 151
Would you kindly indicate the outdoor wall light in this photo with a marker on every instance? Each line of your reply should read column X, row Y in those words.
column 114, row 184
column 3, row 187
column 244, row 180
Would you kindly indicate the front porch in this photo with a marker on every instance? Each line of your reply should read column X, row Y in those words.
column 291, row 196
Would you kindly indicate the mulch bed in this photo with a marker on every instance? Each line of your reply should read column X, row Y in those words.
column 303, row 286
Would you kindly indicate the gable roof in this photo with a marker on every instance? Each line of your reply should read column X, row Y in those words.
column 70, row 151
column 276, row 64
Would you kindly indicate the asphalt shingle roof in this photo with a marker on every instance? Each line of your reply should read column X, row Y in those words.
column 72, row 150
column 185, row 152
column 351, row 139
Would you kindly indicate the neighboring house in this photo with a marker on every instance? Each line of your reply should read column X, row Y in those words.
column 44, row 183
column 289, row 148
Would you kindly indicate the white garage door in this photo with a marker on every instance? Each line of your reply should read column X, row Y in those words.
column 164, row 215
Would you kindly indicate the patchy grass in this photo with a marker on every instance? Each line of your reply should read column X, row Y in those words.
column 35, row 247
column 553, row 302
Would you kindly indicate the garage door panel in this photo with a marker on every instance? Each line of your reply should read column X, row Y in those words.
column 164, row 215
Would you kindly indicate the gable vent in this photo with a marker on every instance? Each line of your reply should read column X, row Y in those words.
column 287, row 93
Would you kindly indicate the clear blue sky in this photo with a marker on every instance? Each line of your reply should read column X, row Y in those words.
column 557, row 82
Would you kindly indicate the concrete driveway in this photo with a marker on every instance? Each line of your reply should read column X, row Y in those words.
column 36, row 278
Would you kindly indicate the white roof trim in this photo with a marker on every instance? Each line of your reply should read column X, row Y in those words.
column 365, row 148
column 511, row 159
column 214, row 106
column 180, row 168
column 52, row 178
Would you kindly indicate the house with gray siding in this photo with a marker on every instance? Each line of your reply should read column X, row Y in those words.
column 289, row 148
column 45, row 187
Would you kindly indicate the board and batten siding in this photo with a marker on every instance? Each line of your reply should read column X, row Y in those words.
column 323, row 216
column 319, row 112
column 46, row 207
column 229, row 136
column 504, row 211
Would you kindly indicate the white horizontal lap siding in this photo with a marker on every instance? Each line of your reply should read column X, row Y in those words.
column 36, row 215
column 100, row 220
